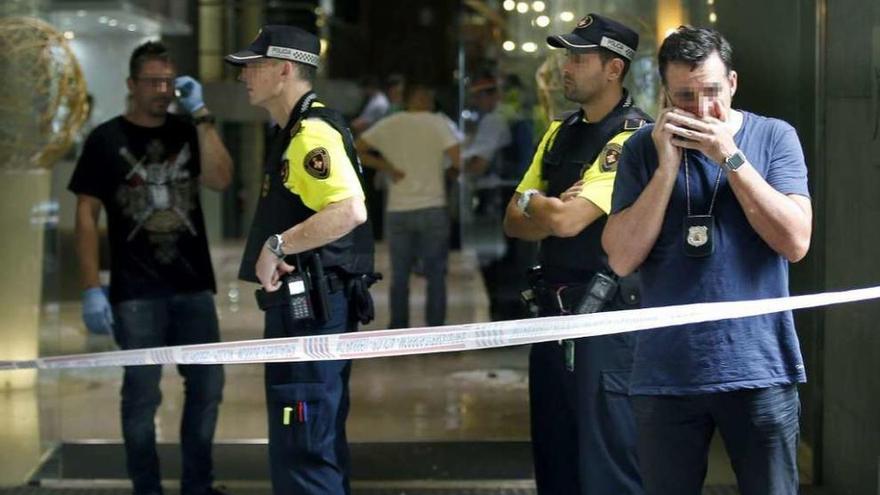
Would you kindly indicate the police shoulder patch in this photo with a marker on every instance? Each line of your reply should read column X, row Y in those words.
column 610, row 157
column 317, row 163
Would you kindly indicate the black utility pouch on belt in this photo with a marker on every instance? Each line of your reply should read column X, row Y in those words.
column 357, row 290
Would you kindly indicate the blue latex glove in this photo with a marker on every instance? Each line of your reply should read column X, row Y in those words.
column 96, row 311
column 189, row 93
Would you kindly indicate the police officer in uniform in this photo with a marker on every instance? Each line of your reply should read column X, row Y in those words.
column 583, row 431
column 310, row 222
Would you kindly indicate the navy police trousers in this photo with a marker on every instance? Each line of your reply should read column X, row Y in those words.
column 583, row 428
column 307, row 406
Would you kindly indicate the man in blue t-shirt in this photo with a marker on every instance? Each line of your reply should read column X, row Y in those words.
column 711, row 204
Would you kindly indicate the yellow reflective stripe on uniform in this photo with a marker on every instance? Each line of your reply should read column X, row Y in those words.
column 532, row 178
column 599, row 177
column 316, row 189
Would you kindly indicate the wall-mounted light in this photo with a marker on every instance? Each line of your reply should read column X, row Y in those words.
column 508, row 46
column 542, row 21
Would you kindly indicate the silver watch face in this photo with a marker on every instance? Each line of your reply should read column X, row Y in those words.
column 523, row 202
column 274, row 244
column 735, row 161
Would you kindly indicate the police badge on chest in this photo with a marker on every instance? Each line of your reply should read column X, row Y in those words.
column 699, row 235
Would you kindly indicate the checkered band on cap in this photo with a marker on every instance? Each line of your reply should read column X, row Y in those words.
column 293, row 54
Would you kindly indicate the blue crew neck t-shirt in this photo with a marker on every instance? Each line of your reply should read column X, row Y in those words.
column 743, row 353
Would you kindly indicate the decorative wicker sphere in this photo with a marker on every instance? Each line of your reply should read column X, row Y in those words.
column 43, row 97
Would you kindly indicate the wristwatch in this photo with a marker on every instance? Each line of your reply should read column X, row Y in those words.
column 522, row 203
column 733, row 162
column 273, row 244
column 204, row 119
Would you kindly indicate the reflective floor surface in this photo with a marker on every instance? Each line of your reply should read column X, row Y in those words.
column 475, row 397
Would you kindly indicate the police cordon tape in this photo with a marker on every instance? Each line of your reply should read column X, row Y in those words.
column 425, row 340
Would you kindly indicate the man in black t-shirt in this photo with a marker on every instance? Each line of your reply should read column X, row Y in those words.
column 144, row 168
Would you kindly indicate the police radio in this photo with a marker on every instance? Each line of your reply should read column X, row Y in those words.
column 600, row 290
column 298, row 288
column 303, row 293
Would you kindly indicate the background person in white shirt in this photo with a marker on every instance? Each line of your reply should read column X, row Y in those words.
column 410, row 147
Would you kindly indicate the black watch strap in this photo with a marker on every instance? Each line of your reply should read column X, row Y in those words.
column 205, row 119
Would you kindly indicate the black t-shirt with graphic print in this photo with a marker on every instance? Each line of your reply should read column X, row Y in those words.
column 148, row 181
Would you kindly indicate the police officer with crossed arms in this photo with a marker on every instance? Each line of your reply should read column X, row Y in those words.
column 583, row 431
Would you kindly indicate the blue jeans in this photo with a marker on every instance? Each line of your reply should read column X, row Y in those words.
column 307, row 405
column 180, row 319
column 412, row 235
column 759, row 428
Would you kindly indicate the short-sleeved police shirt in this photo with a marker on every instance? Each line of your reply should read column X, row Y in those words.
column 598, row 178
column 318, row 169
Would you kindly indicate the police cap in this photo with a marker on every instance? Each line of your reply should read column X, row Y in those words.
column 595, row 31
column 281, row 42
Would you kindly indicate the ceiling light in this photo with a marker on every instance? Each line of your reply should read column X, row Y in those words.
column 538, row 6
column 522, row 7
column 68, row 35
column 529, row 47
column 508, row 46
column 566, row 16
column 713, row 17
column 509, row 5
column 542, row 21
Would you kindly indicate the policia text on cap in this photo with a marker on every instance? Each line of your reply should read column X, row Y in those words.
column 311, row 249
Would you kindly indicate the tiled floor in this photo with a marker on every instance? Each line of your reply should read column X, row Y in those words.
column 473, row 396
